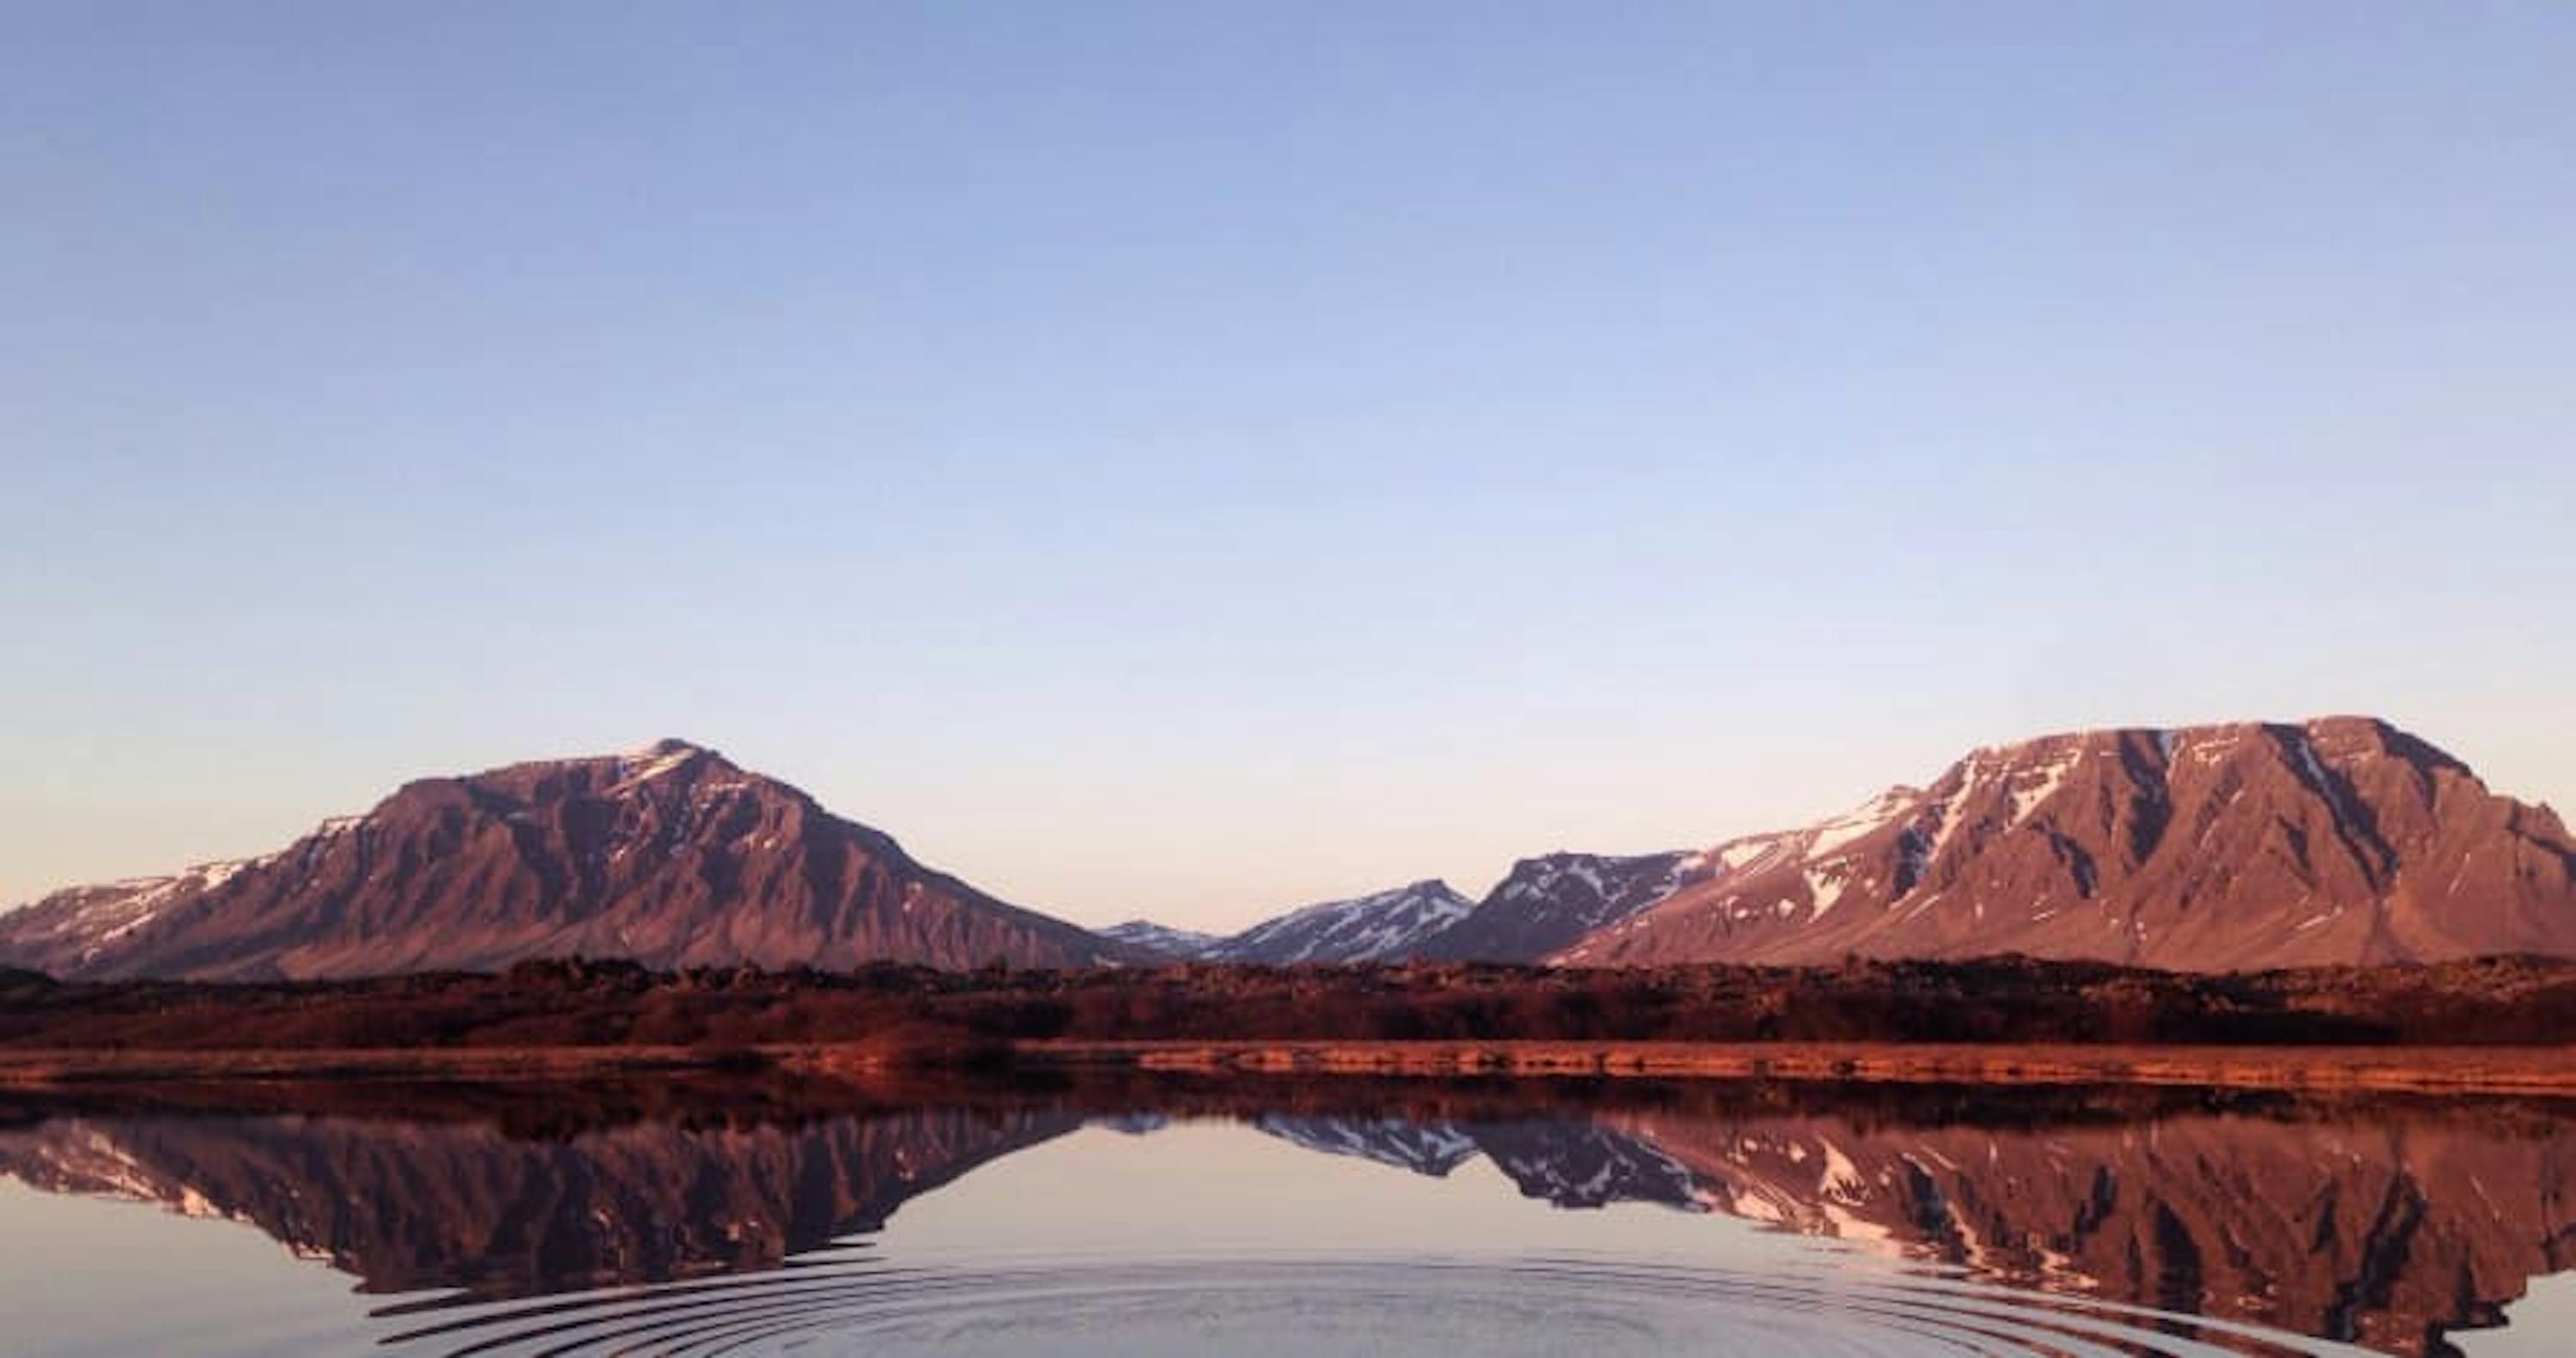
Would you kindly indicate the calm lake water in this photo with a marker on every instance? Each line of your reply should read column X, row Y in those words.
column 1345, row 1217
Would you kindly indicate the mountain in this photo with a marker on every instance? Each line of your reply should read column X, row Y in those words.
column 669, row 855
column 1161, row 940
column 2207, row 848
column 1546, row 903
column 1387, row 926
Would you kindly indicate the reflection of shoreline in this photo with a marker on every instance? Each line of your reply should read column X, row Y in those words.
column 2500, row 1070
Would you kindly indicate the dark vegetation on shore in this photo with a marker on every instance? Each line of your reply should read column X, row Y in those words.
column 964, row 1017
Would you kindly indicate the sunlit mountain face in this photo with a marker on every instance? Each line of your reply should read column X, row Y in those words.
column 669, row 855
column 2334, row 841
column 2394, row 1226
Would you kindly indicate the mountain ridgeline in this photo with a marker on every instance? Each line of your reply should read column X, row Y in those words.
column 2207, row 848
column 2212, row 848
column 2216, row 848
column 669, row 855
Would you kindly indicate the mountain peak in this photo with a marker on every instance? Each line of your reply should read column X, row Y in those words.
column 1549, row 901
column 1377, row 927
column 2336, row 724
column 666, row 855
column 667, row 747
column 1160, row 940
column 667, row 755
column 2210, row 847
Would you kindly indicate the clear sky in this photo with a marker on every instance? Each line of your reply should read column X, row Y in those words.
column 1194, row 459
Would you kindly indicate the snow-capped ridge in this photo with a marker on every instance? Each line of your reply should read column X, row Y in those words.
column 2332, row 840
column 1382, row 926
column 1161, row 939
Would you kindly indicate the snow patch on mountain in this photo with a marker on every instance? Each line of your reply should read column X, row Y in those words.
column 1383, row 926
column 1826, row 836
column 1161, row 938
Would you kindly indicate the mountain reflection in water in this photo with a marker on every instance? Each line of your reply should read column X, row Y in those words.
column 2389, row 1224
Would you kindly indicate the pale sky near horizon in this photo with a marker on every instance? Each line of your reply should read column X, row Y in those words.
column 1191, row 460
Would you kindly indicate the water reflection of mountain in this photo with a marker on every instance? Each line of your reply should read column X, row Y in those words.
column 2381, row 1230
column 405, row 1206
column 1570, row 1164
column 2375, row 1223
column 1429, row 1146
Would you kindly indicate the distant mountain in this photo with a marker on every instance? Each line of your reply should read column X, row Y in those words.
column 2208, row 848
column 1161, row 940
column 1388, row 926
column 668, row 855
column 1544, row 904
column 1549, row 902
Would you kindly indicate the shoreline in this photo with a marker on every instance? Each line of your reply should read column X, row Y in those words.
column 53, row 1068
column 2470, row 1070
column 2499, row 1070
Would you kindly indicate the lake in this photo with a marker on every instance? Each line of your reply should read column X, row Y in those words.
column 1165, row 1217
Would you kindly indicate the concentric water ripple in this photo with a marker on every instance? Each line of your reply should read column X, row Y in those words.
column 1829, row 1307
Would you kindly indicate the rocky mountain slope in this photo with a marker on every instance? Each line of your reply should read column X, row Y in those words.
column 1549, row 902
column 2210, row 848
column 1544, row 904
column 669, row 855
column 1382, row 927
column 1162, row 940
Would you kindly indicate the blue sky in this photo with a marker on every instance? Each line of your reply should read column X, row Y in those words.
column 1194, row 459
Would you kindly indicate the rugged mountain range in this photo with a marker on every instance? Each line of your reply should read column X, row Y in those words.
column 1544, row 904
column 2210, row 848
column 1384, row 926
column 2205, row 848
column 669, row 855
